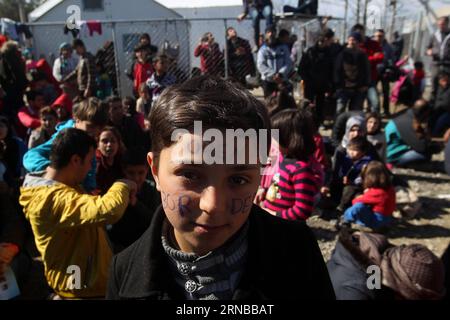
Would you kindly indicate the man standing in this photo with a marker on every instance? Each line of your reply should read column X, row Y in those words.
column 274, row 63
column 68, row 225
column 375, row 55
column 386, row 69
column 435, row 49
column 85, row 72
column 351, row 75
column 241, row 62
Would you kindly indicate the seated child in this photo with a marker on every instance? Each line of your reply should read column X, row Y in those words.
column 374, row 208
column 347, row 172
column 295, row 186
column 374, row 134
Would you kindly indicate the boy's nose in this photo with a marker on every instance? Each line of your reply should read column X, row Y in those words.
column 213, row 200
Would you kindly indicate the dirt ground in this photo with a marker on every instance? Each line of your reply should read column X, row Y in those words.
column 431, row 227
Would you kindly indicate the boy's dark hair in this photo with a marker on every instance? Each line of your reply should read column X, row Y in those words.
column 78, row 43
column 93, row 110
column 145, row 36
column 38, row 76
column 141, row 47
column 68, row 143
column 136, row 156
column 33, row 94
column 359, row 143
column 418, row 65
column 48, row 111
column 421, row 109
column 217, row 103
column 327, row 33
column 283, row 100
column 380, row 30
column 283, row 33
column 443, row 74
column 112, row 99
column 296, row 130
column 160, row 57
column 376, row 175
column 357, row 28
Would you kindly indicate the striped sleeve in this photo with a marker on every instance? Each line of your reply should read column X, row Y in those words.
column 301, row 190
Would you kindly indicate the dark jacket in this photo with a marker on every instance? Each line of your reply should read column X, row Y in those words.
column 316, row 68
column 352, row 70
column 442, row 101
column 243, row 64
column 137, row 218
column 131, row 133
column 348, row 272
column 284, row 262
column 12, row 224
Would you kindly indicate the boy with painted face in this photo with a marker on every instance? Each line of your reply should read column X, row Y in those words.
column 208, row 240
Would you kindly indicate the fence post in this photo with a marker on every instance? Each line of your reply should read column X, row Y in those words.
column 226, row 48
column 116, row 58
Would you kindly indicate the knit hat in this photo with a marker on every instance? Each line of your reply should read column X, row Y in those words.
column 357, row 36
column 414, row 272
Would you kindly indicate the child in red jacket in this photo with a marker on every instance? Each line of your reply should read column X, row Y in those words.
column 374, row 208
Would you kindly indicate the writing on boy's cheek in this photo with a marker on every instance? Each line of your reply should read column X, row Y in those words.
column 241, row 205
column 170, row 202
column 183, row 205
column 167, row 201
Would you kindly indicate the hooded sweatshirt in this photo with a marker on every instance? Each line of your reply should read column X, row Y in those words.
column 69, row 234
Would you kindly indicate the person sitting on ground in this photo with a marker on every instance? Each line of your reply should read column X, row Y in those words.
column 408, row 272
column 374, row 208
column 91, row 116
column 347, row 180
column 48, row 118
column 295, row 186
column 71, row 233
column 207, row 239
column 407, row 136
column 137, row 217
column 375, row 135
column 108, row 155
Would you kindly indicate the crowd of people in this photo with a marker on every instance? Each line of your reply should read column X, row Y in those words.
column 89, row 179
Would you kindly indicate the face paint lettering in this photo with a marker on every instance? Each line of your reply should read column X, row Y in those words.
column 183, row 205
column 167, row 201
column 239, row 205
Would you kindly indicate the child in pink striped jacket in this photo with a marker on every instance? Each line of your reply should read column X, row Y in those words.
column 295, row 186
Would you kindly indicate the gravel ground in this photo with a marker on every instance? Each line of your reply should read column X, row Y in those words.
column 431, row 227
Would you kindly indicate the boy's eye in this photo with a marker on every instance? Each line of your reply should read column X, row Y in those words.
column 239, row 180
column 189, row 175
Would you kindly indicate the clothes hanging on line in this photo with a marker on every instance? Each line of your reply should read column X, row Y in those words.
column 94, row 26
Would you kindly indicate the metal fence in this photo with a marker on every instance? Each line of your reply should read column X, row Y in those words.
column 178, row 37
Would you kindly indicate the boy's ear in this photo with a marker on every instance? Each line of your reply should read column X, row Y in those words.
column 153, row 169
